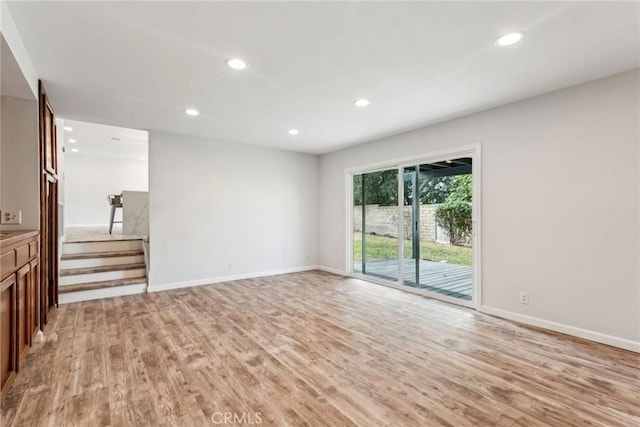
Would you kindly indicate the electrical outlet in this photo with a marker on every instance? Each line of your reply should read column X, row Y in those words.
column 524, row 298
column 230, row 266
column 11, row 217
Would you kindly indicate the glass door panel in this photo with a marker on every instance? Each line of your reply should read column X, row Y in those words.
column 438, row 218
column 411, row 227
column 376, row 222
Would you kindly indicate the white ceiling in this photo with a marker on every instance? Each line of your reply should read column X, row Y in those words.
column 94, row 140
column 140, row 64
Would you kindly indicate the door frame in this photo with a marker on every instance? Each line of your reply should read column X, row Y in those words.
column 48, row 207
column 474, row 151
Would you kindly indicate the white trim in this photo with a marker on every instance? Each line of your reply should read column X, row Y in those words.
column 476, row 225
column 564, row 329
column 349, row 215
column 220, row 279
column 400, row 178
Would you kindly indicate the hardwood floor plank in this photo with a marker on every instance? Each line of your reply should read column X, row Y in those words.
column 313, row 349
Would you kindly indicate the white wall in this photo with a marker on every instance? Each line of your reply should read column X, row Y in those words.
column 212, row 204
column 560, row 205
column 12, row 36
column 60, row 145
column 88, row 181
column 19, row 189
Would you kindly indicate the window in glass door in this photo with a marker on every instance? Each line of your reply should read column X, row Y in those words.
column 376, row 224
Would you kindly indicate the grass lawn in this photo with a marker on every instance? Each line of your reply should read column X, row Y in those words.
column 380, row 247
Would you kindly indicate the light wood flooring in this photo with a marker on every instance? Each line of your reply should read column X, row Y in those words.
column 312, row 349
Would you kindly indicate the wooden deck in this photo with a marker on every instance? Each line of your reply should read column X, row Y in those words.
column 448, row 279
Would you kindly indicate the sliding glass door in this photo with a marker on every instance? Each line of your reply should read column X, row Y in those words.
column 412, row 226
column 375, row 226
column 438, row 249
column 431, row 214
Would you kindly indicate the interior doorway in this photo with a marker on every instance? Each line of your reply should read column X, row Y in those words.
column 414, row 225
column 103, row 164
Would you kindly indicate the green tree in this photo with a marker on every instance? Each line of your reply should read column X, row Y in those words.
column 380, row 188
column 435, row 190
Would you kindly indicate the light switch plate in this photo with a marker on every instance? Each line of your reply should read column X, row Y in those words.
column 11, row 217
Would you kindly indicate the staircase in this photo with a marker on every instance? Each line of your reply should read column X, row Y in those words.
column 101, row 269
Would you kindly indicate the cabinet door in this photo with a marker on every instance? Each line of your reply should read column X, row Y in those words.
column 8, row 350
column 34, row 298
column 24, row 332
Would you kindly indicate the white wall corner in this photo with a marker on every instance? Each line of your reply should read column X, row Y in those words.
column 564, row 329
column 12, row 36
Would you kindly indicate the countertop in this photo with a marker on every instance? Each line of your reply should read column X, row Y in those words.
column 9, row 237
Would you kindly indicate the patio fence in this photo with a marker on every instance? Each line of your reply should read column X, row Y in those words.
column 383, row 221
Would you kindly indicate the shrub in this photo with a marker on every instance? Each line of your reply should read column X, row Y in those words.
column 455, row 217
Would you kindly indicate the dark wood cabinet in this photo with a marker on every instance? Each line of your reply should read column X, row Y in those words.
column 24, row 331
column 8, row 329
column 20, row 302
column 34, row 299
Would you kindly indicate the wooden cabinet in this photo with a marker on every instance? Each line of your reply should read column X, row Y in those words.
column 24, row 330
column 34, row 298
column 20, row 303
column 8, row 329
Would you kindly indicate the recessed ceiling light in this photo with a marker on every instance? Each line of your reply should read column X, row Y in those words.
column 142, row 158
column 236, row 64
column 509, row 38
column 75, row 150
column 191, row 112
column 293, row 131
column 73, row 141
column 362, row 102
column 68, row 128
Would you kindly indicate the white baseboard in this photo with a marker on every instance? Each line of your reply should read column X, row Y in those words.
column 219, row 279
column 331, row 270
column 564, row 329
